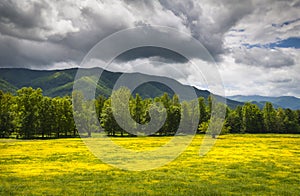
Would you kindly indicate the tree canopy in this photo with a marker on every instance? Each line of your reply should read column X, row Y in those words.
column 29, row 114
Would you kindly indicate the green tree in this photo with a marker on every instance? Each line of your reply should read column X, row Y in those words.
column 28, row 109
column 209, row 105
column 120, row 103
column 64, row 116
column 298, row 115
column 47, row 117
column 203, row 112
column 252, row 119
column 6, row 114
column 234, row 120
column 159, row 112
column 203, row 127
column 137, row 110
column 173, row 119
column 167, row 102
column 89, row 114
column 280, row 119
column 99, row 104
column 291, row 122
column 217, row 121
column 189, row 116
column 85, row 114
column 108, row 122
column 269, row 118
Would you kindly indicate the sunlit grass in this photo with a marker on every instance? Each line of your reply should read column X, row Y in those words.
column 237, row 164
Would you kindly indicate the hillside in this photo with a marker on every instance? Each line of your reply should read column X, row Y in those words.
column 282, row 101
column 60, row 83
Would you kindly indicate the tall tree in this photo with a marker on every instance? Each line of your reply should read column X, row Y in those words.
column 234, row 120
column 165, row 100
column 280, row 119
column 6, row 114
column 85, row 114
column 137, row 110
column 173, row 119
column 269, row 118
column 28, row 103
column 120, row 100
column 209, row 105
column 47, row 117
column 108, row 122
column 291, row 122
column 99, row 106
column 189, row 116
column 64, row 116
column 217, row 122
column 203, row 112
column 159, row 112
column 252, row 119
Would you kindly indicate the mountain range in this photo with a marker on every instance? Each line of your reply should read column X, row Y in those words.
column 60, row 83
column 282, row 101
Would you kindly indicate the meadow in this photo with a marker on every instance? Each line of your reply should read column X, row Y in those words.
column 265, row 164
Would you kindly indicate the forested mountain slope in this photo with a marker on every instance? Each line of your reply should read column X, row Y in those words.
column 60, row 83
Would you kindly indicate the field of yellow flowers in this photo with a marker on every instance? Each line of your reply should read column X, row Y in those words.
column 237, row 164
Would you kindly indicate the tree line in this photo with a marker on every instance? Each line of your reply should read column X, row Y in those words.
column 29, row 114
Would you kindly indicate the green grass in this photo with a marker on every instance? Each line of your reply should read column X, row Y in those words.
column 237, row 164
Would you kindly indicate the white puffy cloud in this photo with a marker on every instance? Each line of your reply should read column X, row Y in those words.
column 35, row 20
column 261, row 80
column 269, row 22
column 269, row 58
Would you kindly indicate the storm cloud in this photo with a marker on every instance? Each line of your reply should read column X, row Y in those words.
column 76, row 26
column 242, row 36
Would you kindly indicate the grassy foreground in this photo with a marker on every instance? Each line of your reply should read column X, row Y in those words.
column 237, row 164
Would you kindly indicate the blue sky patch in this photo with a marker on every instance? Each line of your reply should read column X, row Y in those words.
column 291, row 42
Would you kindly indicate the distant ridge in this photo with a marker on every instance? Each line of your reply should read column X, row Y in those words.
column 60, row 83
column 282, row 101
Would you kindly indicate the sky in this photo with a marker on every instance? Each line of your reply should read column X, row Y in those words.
column 255, row 43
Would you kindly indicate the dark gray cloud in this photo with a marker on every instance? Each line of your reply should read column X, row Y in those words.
column 27, row 33
column 167, row 55
column 210, row 20
column 14, row 16
column 11, row 13
column 50, row 34
column 72, row 28
column 25, row 53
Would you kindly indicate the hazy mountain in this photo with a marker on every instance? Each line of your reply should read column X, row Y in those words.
column 60, row 83
column 282, row 101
